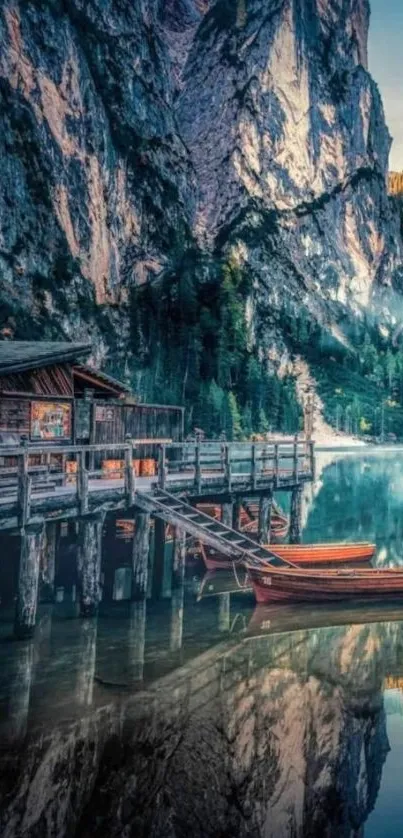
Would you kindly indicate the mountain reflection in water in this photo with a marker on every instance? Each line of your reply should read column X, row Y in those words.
column 235, row 721
column 264, row 734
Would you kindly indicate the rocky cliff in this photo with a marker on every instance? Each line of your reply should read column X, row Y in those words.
column 147, row 144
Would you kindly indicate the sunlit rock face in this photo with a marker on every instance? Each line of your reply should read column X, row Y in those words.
column 131, row 132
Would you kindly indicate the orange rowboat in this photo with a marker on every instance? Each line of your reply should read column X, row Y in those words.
column 273, row 584
column 303, row 555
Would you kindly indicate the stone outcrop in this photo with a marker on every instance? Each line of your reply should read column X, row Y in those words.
column 139, row 136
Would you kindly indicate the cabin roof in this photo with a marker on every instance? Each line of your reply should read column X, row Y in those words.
column 20, row 355
column 98, row 378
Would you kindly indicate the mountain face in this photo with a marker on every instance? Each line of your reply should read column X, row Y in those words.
column 146, row 143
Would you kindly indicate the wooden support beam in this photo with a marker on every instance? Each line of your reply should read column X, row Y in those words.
column 140, row 551
column 227, row 468
column 176, row 631
column 48, row 562
column 82, row 484
column 159, row 558
column 162, row 467
column 254, row 467
column 312, row 460
column 179, row 558
column 265, row 510
column 296, row 515
column 236, row 514
column 276, row 465
column 224, row 611
column 130, row 488
column 296, row 460
column 227, row 514
column 89, row 564
column 14, row 727
column 24, row 488
column 198, row 476
column 28, row 580
column 136, row 641
column 86, row 661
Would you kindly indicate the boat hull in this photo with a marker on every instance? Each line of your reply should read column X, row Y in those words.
column 304, row 555
column 277, row 585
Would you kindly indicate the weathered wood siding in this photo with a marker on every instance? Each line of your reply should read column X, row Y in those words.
column 144, row 421
column 114, row 421
column 15, row 416
column 44, row 381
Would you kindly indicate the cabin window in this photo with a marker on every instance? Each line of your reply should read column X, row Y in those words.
column 50, row 421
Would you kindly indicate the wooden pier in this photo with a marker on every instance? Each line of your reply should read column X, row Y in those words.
column 33, row 498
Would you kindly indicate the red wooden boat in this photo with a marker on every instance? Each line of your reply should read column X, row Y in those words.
column 303, row 555
column 273, row 584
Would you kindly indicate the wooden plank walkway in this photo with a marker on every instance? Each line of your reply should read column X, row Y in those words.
column 204, row 470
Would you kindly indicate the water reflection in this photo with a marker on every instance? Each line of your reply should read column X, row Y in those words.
column 203, row 715
column 279, row 730
column 358, row 498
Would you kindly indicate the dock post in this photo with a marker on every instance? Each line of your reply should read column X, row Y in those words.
column 87, row 657
column 141, row 548
column 198, row 472
column 130, row 485
column 89, row 564
column 136, row 640
column 48, row 562
column 159, row 558
column 224, row 611
column 265, row 510
column 178, row 589
column 162, row 467
column 237, row 514
column 28, row 580
column 176, row 633
column 312, row 459
column 14, row 727
column 227, row 514
column 296, row 515
column 276, row 465
column 179, row 559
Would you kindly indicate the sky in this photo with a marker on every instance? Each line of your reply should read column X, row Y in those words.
column 386, row 66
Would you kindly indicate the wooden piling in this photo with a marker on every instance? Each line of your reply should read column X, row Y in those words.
column 265, row 510
column 89, row 564
column 176, row 632
column 296, row 515
column 159, row 558
column 136, row 641
column 224, row 610
column 48, row 562
column 130, row 487
column 179, row 558
column 28, row 580
column 86, row 661
column 141, row 548
column 14, row 727
column 236, row 514
column 227, row 514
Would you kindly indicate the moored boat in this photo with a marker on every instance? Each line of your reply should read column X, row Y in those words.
column 273, row 584
column 314, row 555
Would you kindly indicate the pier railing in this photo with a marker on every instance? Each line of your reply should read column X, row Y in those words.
column 31, row 472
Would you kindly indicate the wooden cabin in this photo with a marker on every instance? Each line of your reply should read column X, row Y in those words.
column 48, row 395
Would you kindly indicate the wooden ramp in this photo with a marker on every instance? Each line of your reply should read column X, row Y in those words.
column 231, row 543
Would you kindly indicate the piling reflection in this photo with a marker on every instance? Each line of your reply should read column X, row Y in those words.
column 271, row 732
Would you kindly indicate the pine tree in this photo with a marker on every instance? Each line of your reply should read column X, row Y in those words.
column 234, row 426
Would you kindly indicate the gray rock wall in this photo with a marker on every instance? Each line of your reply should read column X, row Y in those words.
column 135, row 133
